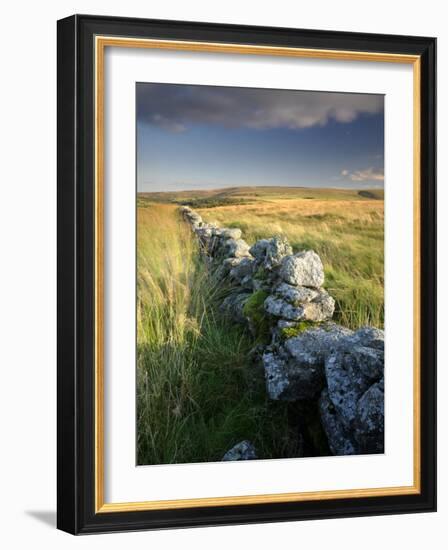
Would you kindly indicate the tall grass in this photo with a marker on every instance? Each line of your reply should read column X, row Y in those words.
column 197, row 391
column 347, row 234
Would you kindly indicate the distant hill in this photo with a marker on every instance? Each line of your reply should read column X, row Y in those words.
column 246, row 195
column 377, row 194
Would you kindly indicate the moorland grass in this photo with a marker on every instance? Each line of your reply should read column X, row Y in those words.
column 198, row 393
column 347, row 234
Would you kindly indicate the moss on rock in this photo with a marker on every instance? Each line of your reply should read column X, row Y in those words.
column 298, row 328
column 261, row 274
column 254, row 311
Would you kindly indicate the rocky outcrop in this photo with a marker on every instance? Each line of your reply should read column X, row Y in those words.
column 306, row 357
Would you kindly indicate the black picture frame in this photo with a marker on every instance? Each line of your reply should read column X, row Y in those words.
column 76, row 286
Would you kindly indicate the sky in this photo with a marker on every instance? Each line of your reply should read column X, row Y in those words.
column 209, row 137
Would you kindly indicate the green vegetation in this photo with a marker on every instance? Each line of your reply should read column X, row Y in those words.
column 298, row 328
column 260, row 274
column 344, row 227
column 198, row 394
column 212, row 202
column 262, row 193
column 254, row 310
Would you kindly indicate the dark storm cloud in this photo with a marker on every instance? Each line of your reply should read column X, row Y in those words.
column 175, row 107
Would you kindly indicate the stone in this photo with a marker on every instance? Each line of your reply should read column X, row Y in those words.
column 277, row 382
column 243, row 269
column 295, row 295
column 295, row 303
column 259, row 284
column 370, row 337
column 270, row 252
column 221, row 271
column 241, row 451
column 205, row 232
column 338, row 439
column 277, row 249
column 281, row 324
column 312, row 345
column 295, row 369
column 232, row 263
column 279, row 308
column 320, row 309
column 193, row 217
column 258, row 250
column 233, row 306
column 369, row 422
column 355, row 393
column 230, row 233
column 238, row 248
column 288, row 380
column 247, row 282
column 370, row 361
column 346, row 384
column 303, row 269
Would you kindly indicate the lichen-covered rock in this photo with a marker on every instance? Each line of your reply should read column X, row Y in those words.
column 238, row 248
column 355, row 383
column 346, row 384
column 366, row 434
column 295, row 370
column 258, row 250
column 303, row 269
column 269, row 252
column 279, row 308
column 243, row 269
column 320, row 308
column 276, row 375
column 350, row 370
column 193, row 217
column 313, row 344
column 339, row 441
column 204, row 233
column 369, row 422
column 289, row 380
column 241, row 451
column 222, row 270
column 295, row 295
column 370, row 337
column 370, row 361
column 230, row 233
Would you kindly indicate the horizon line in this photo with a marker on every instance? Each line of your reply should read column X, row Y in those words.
column 378, row 187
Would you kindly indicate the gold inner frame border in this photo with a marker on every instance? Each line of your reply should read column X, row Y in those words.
column 100, row 44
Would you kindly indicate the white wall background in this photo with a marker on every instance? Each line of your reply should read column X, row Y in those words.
column 28, row 272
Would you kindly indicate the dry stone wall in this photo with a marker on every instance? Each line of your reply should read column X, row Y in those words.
column 306, row 357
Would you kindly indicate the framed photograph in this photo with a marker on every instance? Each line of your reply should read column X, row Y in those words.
column 246, row 274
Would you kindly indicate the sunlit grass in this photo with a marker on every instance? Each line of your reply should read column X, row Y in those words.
column 198, row 394
column 347, row 234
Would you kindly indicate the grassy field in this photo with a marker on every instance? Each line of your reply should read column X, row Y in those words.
column 198, row 394
column 345, row 227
